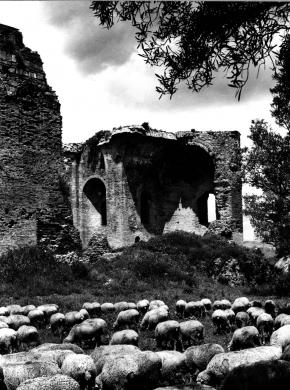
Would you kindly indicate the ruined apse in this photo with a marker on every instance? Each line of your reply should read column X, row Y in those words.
column 134, row 182
column 34, row 206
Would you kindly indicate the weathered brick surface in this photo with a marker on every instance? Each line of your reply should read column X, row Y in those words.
column 153, row 182
column 33, row 198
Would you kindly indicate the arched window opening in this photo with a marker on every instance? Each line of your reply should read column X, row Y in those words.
column 202, row 211
column 145, row 208
column 102, row 162
column 211, row 208
column 95, row 191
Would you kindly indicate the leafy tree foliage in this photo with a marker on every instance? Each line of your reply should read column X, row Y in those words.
column 190, row 41
column 267, row 167
column 281, row 91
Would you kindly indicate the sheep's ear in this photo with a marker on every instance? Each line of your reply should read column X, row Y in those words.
column 225, row 366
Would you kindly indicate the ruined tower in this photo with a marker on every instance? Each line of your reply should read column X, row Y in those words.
column 33, row 204
column 136, row 182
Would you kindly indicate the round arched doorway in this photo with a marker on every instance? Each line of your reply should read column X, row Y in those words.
column 94, row 208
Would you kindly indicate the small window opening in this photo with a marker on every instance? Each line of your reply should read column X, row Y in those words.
column 137, row 239
column 211, row 208
column 102, row 162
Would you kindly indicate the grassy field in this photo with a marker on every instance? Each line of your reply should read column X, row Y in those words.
column 146, row 341
column 170, row 267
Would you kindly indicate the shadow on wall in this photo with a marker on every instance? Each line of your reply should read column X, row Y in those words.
column 169, row 183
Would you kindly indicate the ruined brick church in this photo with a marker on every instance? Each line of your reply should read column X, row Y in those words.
column 127, row 184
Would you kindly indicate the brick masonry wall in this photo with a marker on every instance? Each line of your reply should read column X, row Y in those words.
column 34, row 205
column 173, row 170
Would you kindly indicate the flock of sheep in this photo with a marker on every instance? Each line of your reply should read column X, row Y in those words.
column 257, row 357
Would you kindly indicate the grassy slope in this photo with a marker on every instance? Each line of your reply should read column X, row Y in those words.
column 171, row 267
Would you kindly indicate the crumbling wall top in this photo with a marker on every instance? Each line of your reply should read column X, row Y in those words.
column 105, row 136
column 17, row 60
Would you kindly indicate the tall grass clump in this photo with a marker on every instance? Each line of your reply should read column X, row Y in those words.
column 31, row 270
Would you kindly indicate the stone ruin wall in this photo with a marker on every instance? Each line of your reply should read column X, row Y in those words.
column 34, row 206
column 149, row 181
column 174, row 171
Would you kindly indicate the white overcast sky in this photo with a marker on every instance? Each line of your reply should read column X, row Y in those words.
column 102, row 83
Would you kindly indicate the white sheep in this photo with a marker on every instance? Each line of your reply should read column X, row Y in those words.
column 140, row 370
column 194, row 309
column 57, row 324
column 107, row 307
column 180, row 307
column 4, row 311
column 3, row 325
column 121, row 306
column 207, row 304
column 56, row 355
column 27, row 337
column 8, row 340
column 81, row 368
column 93, row 308
column 223, row 363
column 84, row 313
column 49, row 309
column 230, row 314
column 281, row 319
column 225, row 304
column 126, row 336
column 101, row 354
column 281, row 336
column 220, row 321
column 174, row 367
column 270, row 307
column 72, row 318
column 240, row 304
column 254, row 313
column 242, row 319
column 16, row 373
column 89, row 333
column 167, row 334
column 127, row 319
column 265, row 325
column 155, row 304
column 142, row 306
column 246, row 337
column 26, row 309
column 55, row 382
column 16, row 320
column 154, row 317
column 14, row 309
column 191, row 332
column 132, row 305
column 56, row 347
column 198, row 356
column 221, row 304
column 36, row 317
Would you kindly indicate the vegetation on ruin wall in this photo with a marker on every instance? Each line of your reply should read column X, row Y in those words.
column 173, row 265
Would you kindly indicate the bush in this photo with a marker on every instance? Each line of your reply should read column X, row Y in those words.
column 281, row 285
column 177, row 256
column 80, row 270
column 35, row 271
